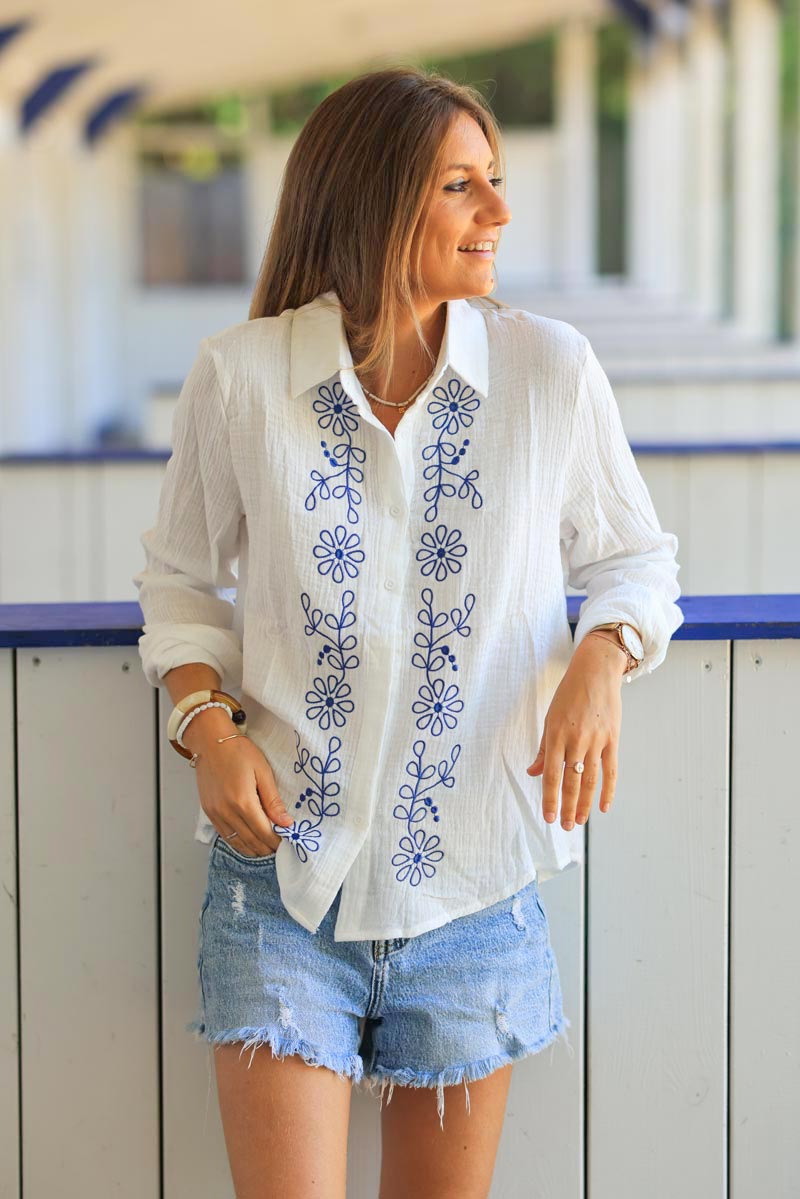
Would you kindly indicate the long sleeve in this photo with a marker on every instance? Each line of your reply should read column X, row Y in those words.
column 613, row 547
column 191, row 552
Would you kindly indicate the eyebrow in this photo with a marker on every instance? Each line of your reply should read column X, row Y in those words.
column 464, row 166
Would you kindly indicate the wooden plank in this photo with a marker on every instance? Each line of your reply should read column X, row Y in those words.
column 9, row 958
column 88, row 904
column 195, row 1159
column 765, row 964
column 657, row 939
column 542, row 1148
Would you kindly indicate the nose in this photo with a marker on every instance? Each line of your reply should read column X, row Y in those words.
column 506, row 214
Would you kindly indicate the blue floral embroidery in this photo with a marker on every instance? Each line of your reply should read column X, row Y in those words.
column 451, row 408
column 441, row 552
column 438, row 703
column 338, row 553
column 329, row 701
column 337, row 411
column 305, row 834
column 419, row 851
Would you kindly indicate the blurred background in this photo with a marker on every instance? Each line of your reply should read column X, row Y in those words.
column 654, row 178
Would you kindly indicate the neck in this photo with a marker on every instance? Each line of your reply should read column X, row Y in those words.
column 411, row 367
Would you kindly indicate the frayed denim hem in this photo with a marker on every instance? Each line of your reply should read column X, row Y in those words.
column 453, row 1075
column 347, row 1065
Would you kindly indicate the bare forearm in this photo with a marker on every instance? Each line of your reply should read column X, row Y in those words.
column 602, row 652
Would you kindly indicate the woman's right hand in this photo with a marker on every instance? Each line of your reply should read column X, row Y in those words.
column 236, row 785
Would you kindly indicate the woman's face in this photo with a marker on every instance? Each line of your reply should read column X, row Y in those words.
column 465, row 208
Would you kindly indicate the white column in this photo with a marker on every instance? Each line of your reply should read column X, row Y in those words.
column 10, row 414
column 638, row 153
column 795, row 268
column 104, row 240
column 577, row 140
column 39, row 302
column 65, row 273
column 659, row 220
column 706, row 163
column 265, row 159
column 755, row 30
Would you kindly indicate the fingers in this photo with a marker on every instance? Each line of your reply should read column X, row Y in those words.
column 253, row 821
column 247, row 841
column 609, row 760
column 578, row 789
column 556, row 761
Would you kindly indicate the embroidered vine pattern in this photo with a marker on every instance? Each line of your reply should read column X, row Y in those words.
column 438, row 703
column 338, row 555
column 318, row 796
column 337, row 413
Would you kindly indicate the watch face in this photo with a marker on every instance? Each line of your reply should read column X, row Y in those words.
column 632, row 640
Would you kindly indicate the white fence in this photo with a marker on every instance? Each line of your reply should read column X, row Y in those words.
column 70, row 526
column 677, row 944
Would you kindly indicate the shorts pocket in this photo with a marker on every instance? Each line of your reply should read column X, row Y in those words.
column 542, row 912
column 220, row 845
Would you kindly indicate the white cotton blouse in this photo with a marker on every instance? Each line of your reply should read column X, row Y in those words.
column 391, row 610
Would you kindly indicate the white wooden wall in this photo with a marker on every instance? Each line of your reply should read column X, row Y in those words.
column 677, row 949
column 735, row 516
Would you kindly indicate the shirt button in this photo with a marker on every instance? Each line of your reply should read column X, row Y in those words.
column 359, row 821
column 389, row 584
column 395, row 509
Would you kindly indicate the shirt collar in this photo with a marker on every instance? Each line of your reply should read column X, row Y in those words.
column 320, row 348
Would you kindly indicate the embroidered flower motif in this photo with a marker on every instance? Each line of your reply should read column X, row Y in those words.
column 317, row 797
column 418, row 806
column 416, row 857
column 337, row 411
column 451, row 407
column 438, row 703
column 328, row 702
column 337, row 553
column 441, row 552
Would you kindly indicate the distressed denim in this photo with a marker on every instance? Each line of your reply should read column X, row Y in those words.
column 448, row 1006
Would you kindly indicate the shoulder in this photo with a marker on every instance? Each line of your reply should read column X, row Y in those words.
column 252, row 352
column 558, row 347
column 259, row 338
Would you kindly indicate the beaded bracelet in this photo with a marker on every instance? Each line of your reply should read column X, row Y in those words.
column 200, row 708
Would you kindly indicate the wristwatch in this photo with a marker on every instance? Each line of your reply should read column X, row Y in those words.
column 629, row 640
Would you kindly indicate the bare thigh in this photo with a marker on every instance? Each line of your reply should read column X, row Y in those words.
column 285, row 1124
column 420, row 1158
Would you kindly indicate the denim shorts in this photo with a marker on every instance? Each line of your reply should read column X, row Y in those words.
column 445, row 1007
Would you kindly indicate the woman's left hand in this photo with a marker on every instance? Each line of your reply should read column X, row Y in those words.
column 582, row 725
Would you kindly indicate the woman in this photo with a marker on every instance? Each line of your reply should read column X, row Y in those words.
column 406, row 473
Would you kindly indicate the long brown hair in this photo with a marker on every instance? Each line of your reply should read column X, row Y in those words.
column 352, row 198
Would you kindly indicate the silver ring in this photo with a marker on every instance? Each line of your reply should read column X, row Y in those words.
column 579, row 767
column 230, row 836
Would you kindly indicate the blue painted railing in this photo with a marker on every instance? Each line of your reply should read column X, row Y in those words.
column 141, row 454
column 706, row 618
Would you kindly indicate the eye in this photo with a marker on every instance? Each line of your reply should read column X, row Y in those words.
column 462, row 185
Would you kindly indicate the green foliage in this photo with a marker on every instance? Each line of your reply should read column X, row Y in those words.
column 789, row 200
column 517, row 81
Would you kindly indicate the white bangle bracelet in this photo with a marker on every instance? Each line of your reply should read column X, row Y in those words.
column 201, row 707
